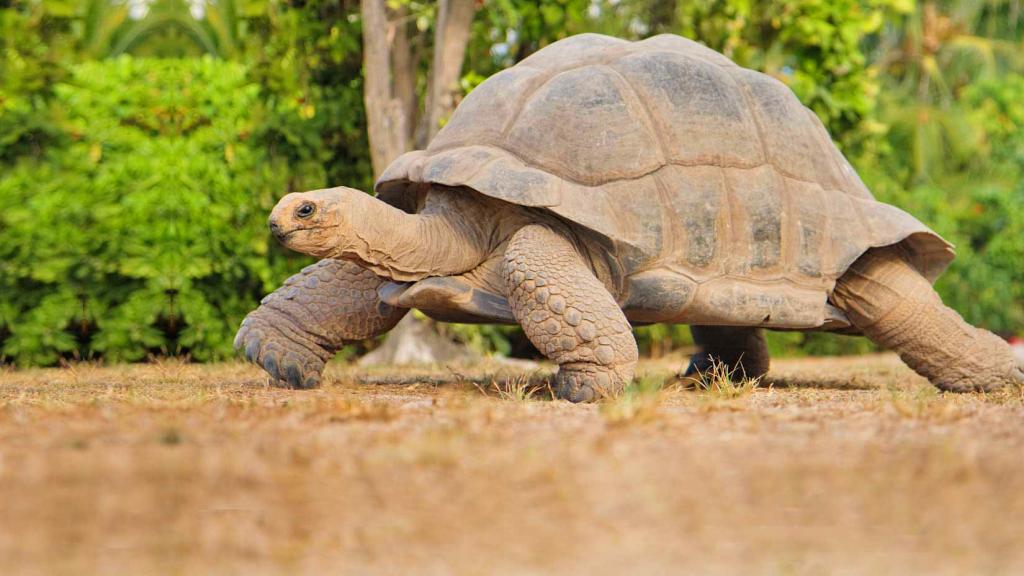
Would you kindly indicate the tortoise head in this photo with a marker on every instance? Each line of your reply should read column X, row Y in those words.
column 313, row 222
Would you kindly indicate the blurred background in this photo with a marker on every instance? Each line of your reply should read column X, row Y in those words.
column 142, row 143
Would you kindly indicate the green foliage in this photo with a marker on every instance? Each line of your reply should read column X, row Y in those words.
column 307, row 61
column 816, row 344
column 483, row 338
column 659, row 339
column 32, row 59
column 144, row 230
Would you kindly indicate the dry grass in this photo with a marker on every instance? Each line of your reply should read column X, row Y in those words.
column 849, row 466
column 722, row 389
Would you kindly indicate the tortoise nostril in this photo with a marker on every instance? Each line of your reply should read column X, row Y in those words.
column 275, row 228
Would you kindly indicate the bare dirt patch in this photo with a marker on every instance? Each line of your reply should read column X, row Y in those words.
column 835, row 466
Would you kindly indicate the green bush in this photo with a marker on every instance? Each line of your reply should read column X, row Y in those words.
column 142, row 229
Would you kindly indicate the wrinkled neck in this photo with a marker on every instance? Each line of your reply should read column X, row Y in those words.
column 450, row 236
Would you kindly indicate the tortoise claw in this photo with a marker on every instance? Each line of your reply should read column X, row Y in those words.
column 293, row 375
column 270, row 365
column 252, row 350
column 241, row 337
column 289, row 363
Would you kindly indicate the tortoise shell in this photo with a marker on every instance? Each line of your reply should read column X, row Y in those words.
column 721, row 198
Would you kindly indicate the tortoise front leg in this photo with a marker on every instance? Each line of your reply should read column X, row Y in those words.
column 299, row 326
column 568, row 315
column 887, row 299
column 743, row 351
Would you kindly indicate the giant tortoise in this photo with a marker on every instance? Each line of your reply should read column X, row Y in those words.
column 601, row 183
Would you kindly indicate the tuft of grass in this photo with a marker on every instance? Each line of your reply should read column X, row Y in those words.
column 639, row 403
column 519, row 389
column 723, row 389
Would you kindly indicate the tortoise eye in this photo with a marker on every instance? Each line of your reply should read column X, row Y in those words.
column 305, row 210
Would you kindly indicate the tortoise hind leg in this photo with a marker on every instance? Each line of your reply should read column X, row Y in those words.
column 299, row 326
column 896, row 307
column 741, row 350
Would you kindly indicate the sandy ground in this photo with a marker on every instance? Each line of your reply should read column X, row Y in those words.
column 834, row 466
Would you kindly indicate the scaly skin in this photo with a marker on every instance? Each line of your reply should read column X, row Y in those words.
column 568, row 315
column 743, row 351
column 299, row 326
column 897, row 308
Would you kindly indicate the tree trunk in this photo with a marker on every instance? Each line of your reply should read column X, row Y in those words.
column 385, row 116
column 389, row 94
column 404, row 63
column 451, row 36
column 414, row 341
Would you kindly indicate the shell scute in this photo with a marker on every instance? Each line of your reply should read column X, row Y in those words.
column 487, row 111
column 696, row 106
column 702, row 227
column 790, row 137
column 757, row 217
column 618, row 141
column 811, row 220
column 682, row 45
column 578, row 50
